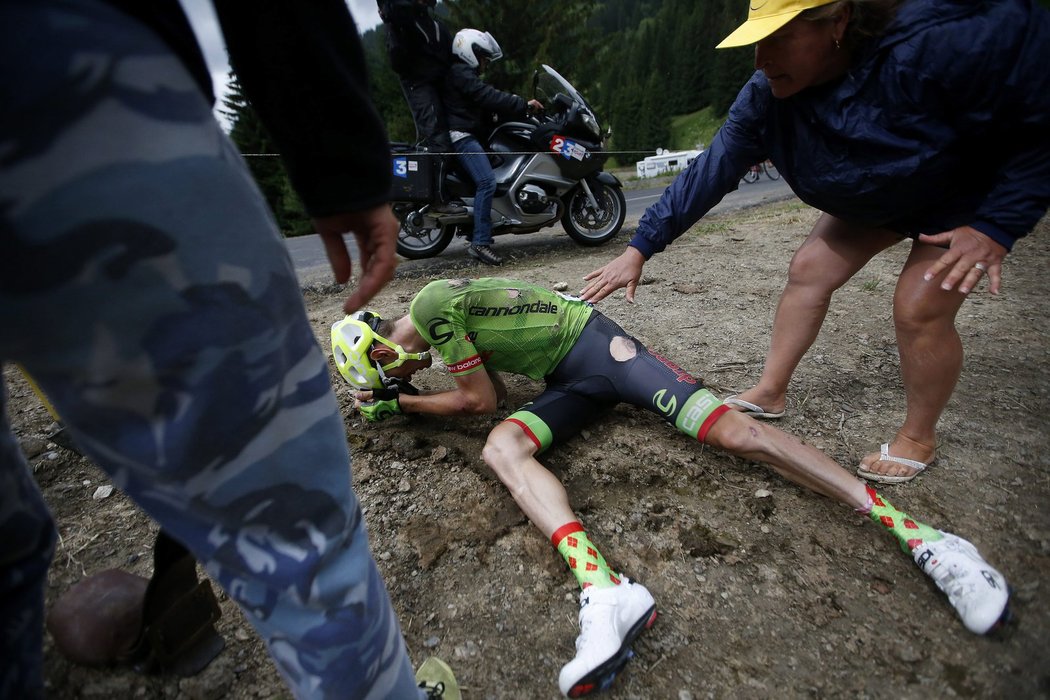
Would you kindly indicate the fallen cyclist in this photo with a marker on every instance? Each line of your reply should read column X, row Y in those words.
column 484, row 326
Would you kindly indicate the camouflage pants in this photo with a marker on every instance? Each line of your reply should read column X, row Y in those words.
column 144, row 285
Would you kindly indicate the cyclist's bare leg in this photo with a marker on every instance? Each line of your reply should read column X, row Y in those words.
column 803, row 464
column 511, row 455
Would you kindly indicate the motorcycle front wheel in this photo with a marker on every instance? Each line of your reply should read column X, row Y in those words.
column 591, row 226
column 417, row 242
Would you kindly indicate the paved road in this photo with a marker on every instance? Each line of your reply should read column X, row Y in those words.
column 312, row 266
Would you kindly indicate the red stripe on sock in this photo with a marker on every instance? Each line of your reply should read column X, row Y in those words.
column 710, row 422
column 564, row 531
column 528, row 432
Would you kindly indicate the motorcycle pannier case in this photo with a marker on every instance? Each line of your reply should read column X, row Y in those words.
column 413, row 175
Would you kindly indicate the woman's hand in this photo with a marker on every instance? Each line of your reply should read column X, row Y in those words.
column 970, row 254
column 624, row 271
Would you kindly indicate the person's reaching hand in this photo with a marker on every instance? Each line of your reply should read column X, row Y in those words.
column 376, row 233
column 624, row 271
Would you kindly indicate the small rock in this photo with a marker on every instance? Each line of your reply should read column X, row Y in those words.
column 908, row 654
column 560, row 286
column 213, row 683
column 102, row 492
column 33, row 447
column 404, row 486
column 431, row 642
column 439, row 453
column 466, row 651
column 763, row 493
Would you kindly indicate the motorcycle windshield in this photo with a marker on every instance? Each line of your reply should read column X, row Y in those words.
column 547, row 83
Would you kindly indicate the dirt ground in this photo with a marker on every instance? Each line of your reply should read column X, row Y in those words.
column 763, row 589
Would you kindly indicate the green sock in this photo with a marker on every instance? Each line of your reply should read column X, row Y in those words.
column 584, row 559
column 909, row 532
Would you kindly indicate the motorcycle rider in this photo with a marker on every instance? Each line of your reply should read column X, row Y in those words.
column 466, row 98
column 420, row 50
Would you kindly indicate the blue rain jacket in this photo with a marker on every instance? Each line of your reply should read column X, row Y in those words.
column 944, row 121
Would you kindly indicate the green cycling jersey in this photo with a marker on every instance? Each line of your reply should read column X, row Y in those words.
column 501, row 324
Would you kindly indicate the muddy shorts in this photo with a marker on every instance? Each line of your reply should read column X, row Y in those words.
column 605, row 367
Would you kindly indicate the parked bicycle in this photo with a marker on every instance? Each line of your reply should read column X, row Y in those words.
column 756, row 170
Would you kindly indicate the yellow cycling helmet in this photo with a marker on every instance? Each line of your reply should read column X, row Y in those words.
column 352, row 340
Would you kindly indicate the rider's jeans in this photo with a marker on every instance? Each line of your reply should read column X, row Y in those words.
column 472, row 157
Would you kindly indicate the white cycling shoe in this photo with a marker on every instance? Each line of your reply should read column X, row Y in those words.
column 610, row 620
column 977, row 591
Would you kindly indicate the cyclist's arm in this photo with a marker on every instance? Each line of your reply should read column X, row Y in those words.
column 498, row 385
column 475, row 394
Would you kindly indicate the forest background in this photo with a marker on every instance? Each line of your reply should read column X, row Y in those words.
column 648, row 67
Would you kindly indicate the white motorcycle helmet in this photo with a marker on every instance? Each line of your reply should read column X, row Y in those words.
column 352, row 339
column 471, row 45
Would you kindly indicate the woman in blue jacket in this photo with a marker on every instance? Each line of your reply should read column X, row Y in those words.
column 923, row 119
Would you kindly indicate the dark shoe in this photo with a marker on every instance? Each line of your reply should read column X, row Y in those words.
column 448, row 208
column 485, row 254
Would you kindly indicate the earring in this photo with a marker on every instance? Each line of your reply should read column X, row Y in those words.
column 837, row 44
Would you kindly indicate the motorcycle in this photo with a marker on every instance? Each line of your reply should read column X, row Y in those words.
column 548, row 169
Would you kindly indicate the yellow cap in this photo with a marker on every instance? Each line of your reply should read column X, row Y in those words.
column 765, row 17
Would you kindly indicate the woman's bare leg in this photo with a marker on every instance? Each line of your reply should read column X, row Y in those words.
column 931, row 359
column 830, row 256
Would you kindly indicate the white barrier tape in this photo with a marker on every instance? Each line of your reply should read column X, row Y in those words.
column 416, row 154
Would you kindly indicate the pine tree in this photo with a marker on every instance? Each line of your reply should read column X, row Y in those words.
column 249, row 135
column 531, row 32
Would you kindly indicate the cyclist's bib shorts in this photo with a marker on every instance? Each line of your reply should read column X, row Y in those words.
column 607, row 366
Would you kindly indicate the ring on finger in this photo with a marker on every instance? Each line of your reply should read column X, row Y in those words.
column 980, row 266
